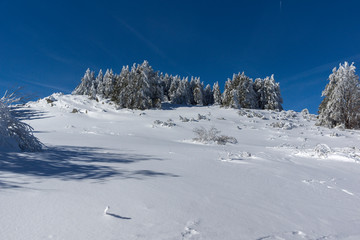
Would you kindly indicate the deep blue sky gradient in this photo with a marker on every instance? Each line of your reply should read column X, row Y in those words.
column 46, row 46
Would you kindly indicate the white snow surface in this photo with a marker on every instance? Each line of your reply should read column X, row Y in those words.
column 285, row 178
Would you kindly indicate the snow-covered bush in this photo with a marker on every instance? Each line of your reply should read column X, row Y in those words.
column 168, row 123
column 211, row 135
column 305, row 112
column 202, row 117
column 184, row 119
column 283, row 125
column 235, row 157
column 14, row 134
column 250, row 114
column 322, row 150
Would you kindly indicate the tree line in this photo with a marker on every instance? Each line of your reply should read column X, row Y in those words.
column 142, row 88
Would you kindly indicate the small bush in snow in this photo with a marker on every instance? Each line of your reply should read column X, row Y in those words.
column 15, row 134
column 201, row 117
column 322, row 150
column 305, row 112
column 211, row 135
column 184, row 119
column 251, row 114
column 283, row 125
column 168, row 123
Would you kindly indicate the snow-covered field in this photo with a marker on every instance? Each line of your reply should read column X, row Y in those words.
column 285, row 178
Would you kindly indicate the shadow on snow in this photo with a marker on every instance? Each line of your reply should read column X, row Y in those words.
column 23, row 113
column 73, row 163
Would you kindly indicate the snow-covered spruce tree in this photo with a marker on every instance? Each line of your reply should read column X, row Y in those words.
column 197, row 91
column 246, row 93
column 183, row 93
column 258, row 88
column 108, row 84
column 165, row 81
column 239, row 92
column 341, row 103
column 227, row 96
column 14, row 134
column 121, row 93
column 87, row 86
column 144, row 87
column 208, row 96
column 173, row 94
column 217, row 94
column 100, row 83
column 268, row 93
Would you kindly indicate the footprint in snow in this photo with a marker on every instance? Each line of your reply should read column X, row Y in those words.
column 326, row 183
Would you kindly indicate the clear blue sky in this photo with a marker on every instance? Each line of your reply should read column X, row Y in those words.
column 46, row 46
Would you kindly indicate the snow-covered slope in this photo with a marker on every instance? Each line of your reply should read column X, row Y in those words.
column 285, row 178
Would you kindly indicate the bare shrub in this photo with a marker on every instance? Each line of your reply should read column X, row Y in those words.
column 211, row 135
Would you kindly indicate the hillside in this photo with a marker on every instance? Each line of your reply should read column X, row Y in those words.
column 285, row 178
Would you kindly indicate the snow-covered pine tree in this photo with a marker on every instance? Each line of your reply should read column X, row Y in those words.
column 144, row 87
column 166, row 81
column 239, row 92
column 184, row 92
column 208, row 96
column 227, row 96
column 268, row 93
column 246, row 95
column 86, row 85
column 272, row 94
column 100, row 83
column 108, row 84
column 173, row 94
column 120, row 92
column 216, row 94
column 197, row 92
column 341, row 103
column 258, row 88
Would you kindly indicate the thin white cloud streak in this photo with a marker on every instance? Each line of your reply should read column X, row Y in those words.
column 54, row 87
column 295, row 80
column 142, row 38
column 150, row 44
column 20, row 79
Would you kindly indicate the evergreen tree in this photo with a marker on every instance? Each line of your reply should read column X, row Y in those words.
column 108, row 84
column 272, row 95
column 246, row 95
column 227, row 96
column 268, row 93
column 217, row 94
column 239, row 92
column 86, row 85
column 197, row 92
column 208, row 96
column 175, row 83
column 166, row 82
column 258, row 88
column 100, row 83
column 341, row 103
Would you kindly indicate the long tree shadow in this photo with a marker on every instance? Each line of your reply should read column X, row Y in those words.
column 74, row 163
column 23, row 113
